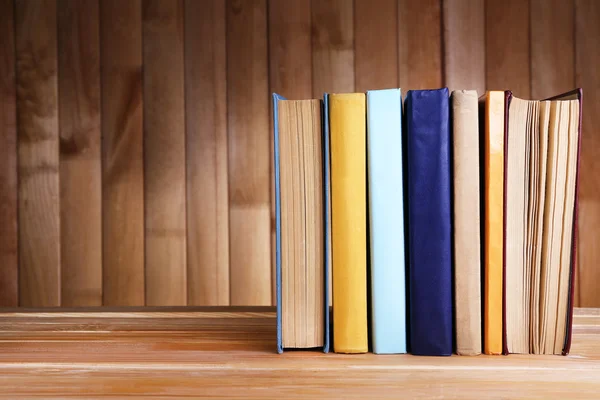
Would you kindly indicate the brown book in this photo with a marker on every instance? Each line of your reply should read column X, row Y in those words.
column 300, row 231
column 466, row 218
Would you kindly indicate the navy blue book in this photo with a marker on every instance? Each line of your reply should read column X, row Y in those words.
column 429, row 222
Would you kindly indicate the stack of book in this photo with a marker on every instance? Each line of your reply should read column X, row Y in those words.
column 444, row 223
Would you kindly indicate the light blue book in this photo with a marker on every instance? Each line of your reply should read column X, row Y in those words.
column 386, row 216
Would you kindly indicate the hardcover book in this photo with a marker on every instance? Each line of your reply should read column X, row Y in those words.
column 540, row 199
column 429, row 222
column 301, row 237
column 347, row 128
column 492, row 113
column 466, row 218
column 386, row 217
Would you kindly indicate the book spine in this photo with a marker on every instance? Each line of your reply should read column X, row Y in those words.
column 430, row 230
column 494, row 222
column 386, row 217
column 276, row 99
column 349, row 220
column 467, row 252
column 326, row 216
column 507, row 100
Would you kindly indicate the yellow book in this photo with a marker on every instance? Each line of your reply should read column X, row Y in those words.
column 494, row 214
column 347, row 125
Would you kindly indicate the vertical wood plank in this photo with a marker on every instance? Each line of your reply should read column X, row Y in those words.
column 464, row 44
column 332, row 55
column 122, row 153
column 80, row 166
column 507, row 46
column 587, row 37
column 9, row 283
column 290, row 48
column 289, row 41
column 206, row 147
column 419, row 44
column 249, row 155
column 577, row 287
column 588, row 222
column 164, row 153
column 332, row 46
column 552, row 47
column 376, row 44
column 38, row 157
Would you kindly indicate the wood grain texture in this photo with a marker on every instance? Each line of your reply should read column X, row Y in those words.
column 80, row 156
column 300, row 48
column 122, row 153
column 289, row 41
column 164, row 152
column 206, row 149
column 552, row 47
column 249, row 155
column 507, row 59
column 588, row 255
column 290, row 49
column 332, row 56
column 199, row 354
column 38, row 153
column 464, row 44
column 587, row 45
column 376, row 44
column 9, row 279
column 419, row 44
column 332, row 47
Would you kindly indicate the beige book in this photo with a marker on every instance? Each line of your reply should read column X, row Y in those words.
column 467, row 225
column 541, row 167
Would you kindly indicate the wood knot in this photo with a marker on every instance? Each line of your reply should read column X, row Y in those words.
column 236, row 7
column 77, row 142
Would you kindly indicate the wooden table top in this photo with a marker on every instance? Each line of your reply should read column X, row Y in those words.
column 230, row 353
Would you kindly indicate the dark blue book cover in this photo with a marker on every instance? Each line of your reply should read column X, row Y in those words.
column 429, row 222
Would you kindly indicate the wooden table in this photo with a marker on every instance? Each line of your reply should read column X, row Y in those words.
column 230, row 353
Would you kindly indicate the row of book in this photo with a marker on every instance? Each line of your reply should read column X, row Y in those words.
column 444, row 224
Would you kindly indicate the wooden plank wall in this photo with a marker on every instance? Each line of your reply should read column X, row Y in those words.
column 122, row 154
column 135, row 135
column 164, row 152
column 80, row 166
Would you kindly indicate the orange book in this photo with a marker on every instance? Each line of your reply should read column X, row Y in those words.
column 493, row 109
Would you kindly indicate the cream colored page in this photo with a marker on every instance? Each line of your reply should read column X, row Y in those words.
column 301, row 240
column 567, row 232
column 544, row 119
column 528, row 219
column 517, row 338
column 548, row 221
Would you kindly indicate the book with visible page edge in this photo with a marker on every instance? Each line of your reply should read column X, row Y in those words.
column 576, row 94
column 325, row 141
